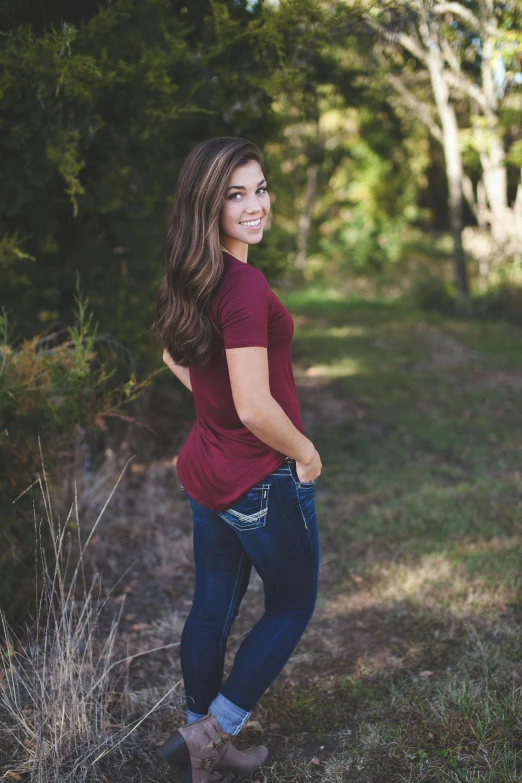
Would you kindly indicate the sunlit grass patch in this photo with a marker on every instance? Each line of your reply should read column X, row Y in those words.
column 437, row 580
column 331, row 303
column 342, row 368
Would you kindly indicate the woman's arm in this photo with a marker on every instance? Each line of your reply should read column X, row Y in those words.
column 262, row 415
column 180, row 372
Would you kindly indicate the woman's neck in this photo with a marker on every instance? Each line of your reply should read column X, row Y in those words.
column 237, row 249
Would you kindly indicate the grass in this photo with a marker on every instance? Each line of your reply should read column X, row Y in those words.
column 410, row 670
column 420, row 501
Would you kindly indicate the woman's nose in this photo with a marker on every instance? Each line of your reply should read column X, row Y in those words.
column 254, row 204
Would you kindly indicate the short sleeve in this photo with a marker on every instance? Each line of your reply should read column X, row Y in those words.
column 243, row 310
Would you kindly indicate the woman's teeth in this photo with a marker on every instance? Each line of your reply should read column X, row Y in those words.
column 253, row 223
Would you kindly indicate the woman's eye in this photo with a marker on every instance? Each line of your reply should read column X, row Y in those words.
column 232, row 196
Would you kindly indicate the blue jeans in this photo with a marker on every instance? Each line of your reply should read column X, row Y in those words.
column 272, row 527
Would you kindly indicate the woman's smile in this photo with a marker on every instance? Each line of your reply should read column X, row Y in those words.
column 252, row 225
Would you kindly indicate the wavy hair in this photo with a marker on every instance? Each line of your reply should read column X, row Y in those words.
column 194, row 261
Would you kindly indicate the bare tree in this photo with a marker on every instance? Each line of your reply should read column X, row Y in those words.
column 485, row 95
column 415, row 29
column 443, row 37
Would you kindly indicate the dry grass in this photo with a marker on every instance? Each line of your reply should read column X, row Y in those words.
column 65, row 702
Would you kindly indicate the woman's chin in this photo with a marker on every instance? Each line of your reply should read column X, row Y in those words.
column 255, row 238
column 252, row 239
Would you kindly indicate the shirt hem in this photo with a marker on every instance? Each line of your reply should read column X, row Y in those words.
column 223, row 507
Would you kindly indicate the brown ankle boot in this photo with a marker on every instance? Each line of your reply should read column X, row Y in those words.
column 202, row 747
column 243, row 760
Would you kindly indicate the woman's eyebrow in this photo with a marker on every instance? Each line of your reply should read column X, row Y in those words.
column 242, row 187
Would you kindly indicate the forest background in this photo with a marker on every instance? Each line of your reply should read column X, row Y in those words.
column 393, row 145
column 392, row 135
column 102, row 101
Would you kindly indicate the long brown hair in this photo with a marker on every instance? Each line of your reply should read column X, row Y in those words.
column 193, row 254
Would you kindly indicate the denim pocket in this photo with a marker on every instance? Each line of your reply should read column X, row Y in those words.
column 297, row 480
column 250, row 511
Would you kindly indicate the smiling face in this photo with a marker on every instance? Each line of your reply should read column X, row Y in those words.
column 245, row 209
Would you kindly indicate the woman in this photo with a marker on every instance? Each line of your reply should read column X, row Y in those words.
column 247, row 468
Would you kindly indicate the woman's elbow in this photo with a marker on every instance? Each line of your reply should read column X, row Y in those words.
column 252, row 412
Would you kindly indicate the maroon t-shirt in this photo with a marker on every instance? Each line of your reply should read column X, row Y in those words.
column 221, row 459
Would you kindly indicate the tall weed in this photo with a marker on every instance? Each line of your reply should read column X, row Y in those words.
column 51, row 388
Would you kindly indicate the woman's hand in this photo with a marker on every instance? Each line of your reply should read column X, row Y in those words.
column 310, row 470
column 181, row 373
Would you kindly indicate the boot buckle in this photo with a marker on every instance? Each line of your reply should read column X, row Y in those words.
column 217, row 740
column 201, row 763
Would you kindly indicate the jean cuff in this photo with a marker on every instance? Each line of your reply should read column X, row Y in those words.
column 230, row 717
column 192, row 717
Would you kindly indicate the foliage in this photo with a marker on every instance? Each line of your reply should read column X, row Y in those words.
column 101, row 109
column 502, row 302
column 101, row 103
column 50, row 388
column 371, row 197
column 431, row 292
column 98, row 115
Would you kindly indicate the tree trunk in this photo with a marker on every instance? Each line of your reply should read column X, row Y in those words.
column 495, row 184
column 490, row 143
column 482, row 212
column 517, row 212
column 453, row 160
column 303, row 227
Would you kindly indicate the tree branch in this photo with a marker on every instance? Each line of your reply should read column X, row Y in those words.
column 420, row 109
column 459, row 82
column 450, row 56
column 467, row 190
column 406, row 41
column 458, row 10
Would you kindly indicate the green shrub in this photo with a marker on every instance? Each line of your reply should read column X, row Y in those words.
column 431, row 292
column 50, row 388
column 503, row 302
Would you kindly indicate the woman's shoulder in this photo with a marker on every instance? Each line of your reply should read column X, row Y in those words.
column 239, row 284
column 232, row 263
column 236, row 272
